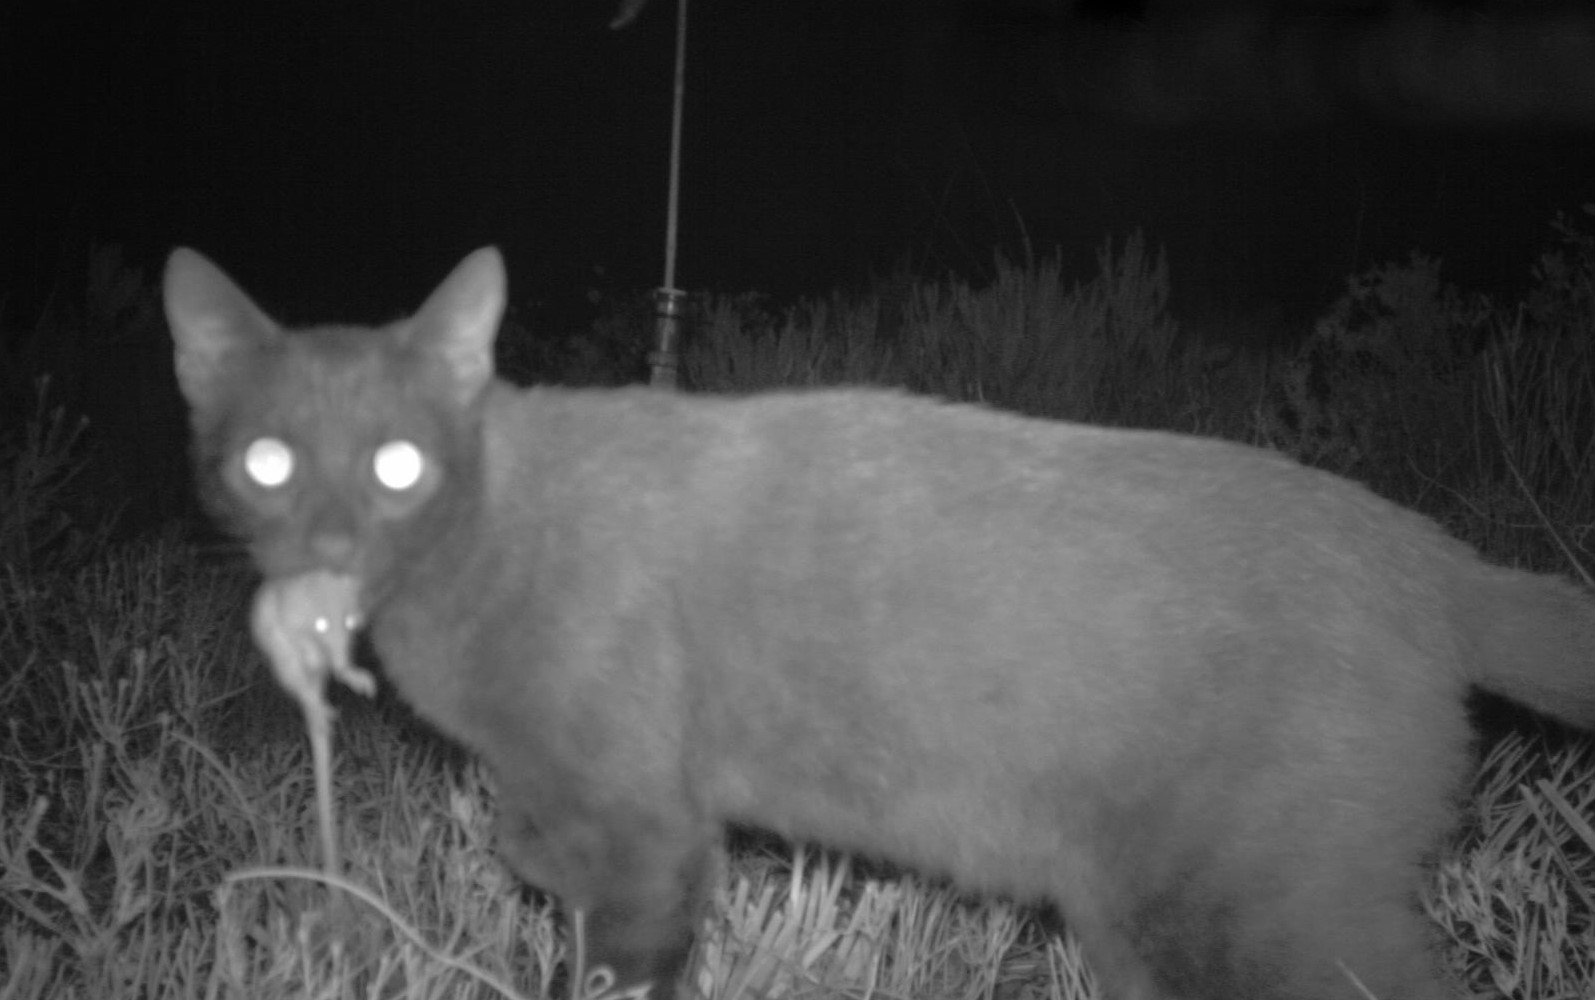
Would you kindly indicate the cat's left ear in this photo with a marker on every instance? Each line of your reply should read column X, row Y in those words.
column 460, row 320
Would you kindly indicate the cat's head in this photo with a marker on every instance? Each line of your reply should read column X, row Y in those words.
column 334, row 447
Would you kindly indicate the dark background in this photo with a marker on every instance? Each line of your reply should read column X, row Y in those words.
column 337, row 157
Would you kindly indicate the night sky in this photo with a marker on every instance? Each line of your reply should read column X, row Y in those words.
column 339, row 156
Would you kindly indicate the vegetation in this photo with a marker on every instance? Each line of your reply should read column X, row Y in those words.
column 156, row 828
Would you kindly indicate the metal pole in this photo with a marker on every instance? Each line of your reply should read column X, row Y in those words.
column 670, row 301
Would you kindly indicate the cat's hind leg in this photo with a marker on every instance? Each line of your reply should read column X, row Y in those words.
column 1321, row 915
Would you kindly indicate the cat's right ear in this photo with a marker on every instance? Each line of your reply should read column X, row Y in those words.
column 211, row 321
column 460, row 320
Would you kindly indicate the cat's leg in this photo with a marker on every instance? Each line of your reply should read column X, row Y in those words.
column 1120, row 971
column 643, row 922
column 640, row 881
column 1359, row 939
column 1350, row 919
column 1314, row 920
column 1404, row 955
column 1092, row 905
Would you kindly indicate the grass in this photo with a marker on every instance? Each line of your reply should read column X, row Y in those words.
column 157, row 837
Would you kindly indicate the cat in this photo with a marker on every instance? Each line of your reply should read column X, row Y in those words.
column 1205, row 700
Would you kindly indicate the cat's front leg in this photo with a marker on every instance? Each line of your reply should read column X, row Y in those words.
column 639, row 880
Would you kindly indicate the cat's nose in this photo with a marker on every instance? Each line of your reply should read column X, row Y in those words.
column 333, row 549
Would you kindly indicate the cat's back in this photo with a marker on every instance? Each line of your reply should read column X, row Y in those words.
column 887, row 454
column 857, row 434
column 844, row 477
column 994, row 460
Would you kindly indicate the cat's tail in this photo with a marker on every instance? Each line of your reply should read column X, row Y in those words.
column 1532, row 639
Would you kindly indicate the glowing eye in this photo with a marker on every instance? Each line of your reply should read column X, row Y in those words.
column 269, row 462
column 398, row 465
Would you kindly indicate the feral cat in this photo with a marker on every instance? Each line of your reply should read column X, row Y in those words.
column 1206, row 700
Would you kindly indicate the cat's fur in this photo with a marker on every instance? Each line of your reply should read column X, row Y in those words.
column 1207, row 700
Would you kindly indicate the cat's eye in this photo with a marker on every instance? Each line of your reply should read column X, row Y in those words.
column 269, row 462
column 398, row 465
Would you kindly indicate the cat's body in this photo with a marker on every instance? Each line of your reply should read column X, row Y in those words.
column 1206, row 700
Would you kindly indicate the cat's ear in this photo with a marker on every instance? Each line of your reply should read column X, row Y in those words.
column 212, row 321
column 460, row 320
